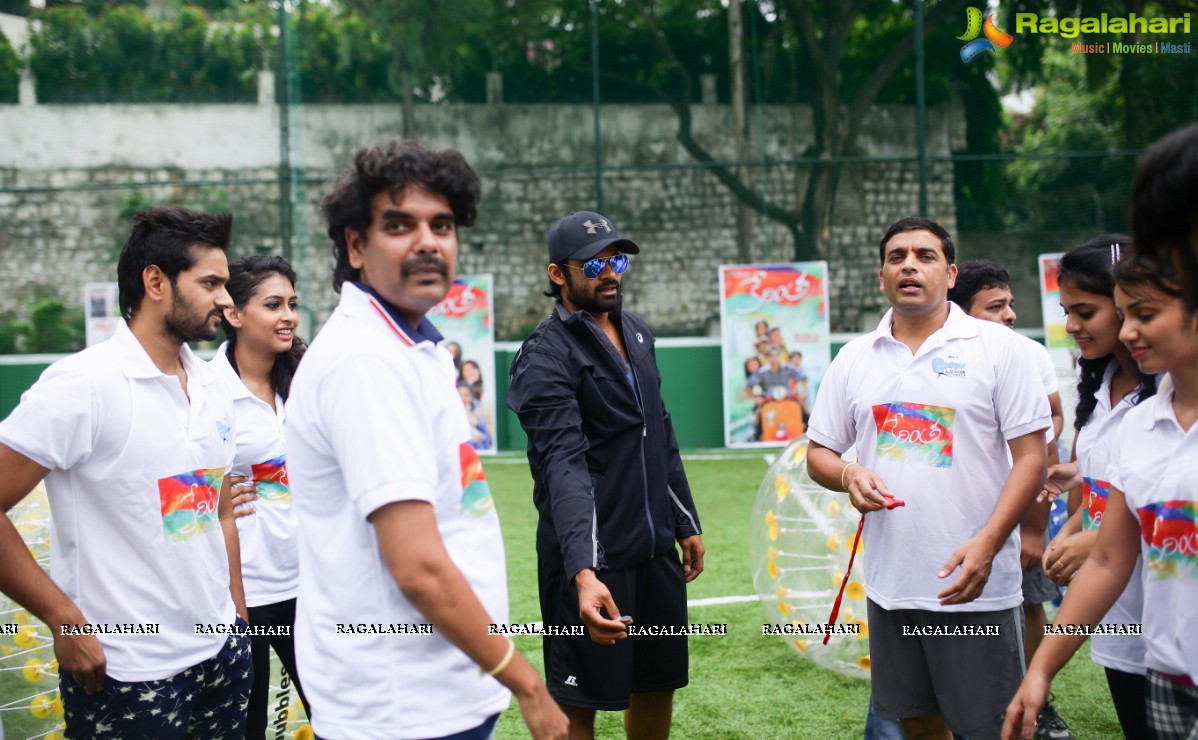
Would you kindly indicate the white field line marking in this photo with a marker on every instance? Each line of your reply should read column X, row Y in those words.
column 717, row 600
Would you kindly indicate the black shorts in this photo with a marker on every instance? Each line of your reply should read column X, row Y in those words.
column 582, row 673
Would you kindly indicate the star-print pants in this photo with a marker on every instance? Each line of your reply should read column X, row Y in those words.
column 208, row 700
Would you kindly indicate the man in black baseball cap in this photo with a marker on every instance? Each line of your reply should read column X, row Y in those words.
column 587, row 259
column 582, row 235
column 612, row 497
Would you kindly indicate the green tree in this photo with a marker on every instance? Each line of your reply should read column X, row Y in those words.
column 1067, row 118
column 422, row 39
column 122, row 55
column 1091, row 110
column 94, row 8
column 841, row 58
column 61, row 54
column 14, row 7
column 127, row 45
column 339, row 57
column 10, row 72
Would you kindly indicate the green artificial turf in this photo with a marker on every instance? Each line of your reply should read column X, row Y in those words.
column 743, row 685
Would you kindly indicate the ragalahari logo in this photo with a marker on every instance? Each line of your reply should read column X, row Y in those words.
column 995, row 36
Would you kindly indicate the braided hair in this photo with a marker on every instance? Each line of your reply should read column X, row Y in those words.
column 1090, row 268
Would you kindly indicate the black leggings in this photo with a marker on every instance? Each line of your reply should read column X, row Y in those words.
column 278, row 615
column 1128, row 691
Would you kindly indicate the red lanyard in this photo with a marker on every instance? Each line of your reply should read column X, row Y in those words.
column 891, row 503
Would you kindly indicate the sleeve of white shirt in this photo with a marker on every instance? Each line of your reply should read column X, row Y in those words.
column 1048, row 373
column 1048, row 376
column 832, row 424
column 1116, row 450
column 1019, row 398
column 54, row 423
column 380, row 433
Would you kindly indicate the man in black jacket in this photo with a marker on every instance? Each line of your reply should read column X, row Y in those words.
column 610, row 490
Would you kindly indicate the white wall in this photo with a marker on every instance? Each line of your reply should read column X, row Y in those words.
column 225, row 137
column 16, row 29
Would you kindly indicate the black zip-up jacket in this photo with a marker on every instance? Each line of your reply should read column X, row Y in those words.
column 608, row 480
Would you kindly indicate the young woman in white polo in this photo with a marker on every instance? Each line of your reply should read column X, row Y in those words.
column 1109, row 385
column 1151, row 511
column 256, row 364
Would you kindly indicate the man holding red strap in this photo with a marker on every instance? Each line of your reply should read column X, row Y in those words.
column 930, row 399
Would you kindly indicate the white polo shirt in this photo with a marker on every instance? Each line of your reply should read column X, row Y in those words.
column 135, row 475
column 1121, row 652
column 1155, row 463
column 934, row 425
column 269, row 555
column 373, row 418
column 1048, row 374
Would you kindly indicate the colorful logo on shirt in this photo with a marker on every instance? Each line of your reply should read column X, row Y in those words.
column 1094, row 494
column 950, row 367
column 476, row 492
column 189, row 502
column 1169, row 530
column 223, row 430
column 915, row 433
column 271, row 478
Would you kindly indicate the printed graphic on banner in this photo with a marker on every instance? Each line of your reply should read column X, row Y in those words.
column 1055, row 337
column 775, row 349
column 189, row 502
column 271, row 478
column 1169, row 530
column 102, row 311
column 1061, row 347
column 476, row 492
column 915, row 433
column 466, row 320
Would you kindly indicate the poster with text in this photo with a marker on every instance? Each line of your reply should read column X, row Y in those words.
column 101, row 311
column 1060, row 345
column 775, row 342
column 466, row 320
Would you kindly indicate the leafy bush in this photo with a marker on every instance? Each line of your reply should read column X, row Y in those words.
column 10, row 72
column 14, row 7
column 122, row 55
column 52, row 327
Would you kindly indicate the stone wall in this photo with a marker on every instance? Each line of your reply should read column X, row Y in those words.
column 68, row 172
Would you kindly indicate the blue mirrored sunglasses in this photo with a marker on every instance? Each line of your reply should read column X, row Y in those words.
column 593, row 267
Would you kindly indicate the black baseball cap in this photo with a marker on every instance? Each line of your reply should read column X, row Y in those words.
column 582, row 235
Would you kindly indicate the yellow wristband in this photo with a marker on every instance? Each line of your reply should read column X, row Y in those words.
column 507, row 659
column 844, row 470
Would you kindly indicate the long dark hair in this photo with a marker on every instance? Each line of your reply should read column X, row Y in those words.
column 245, row 275
column 1090, row 268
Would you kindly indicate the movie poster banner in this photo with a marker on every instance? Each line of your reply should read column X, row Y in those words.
column 1060, row 345
column 466, row 320
column 775, row 347
column 101, row 311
